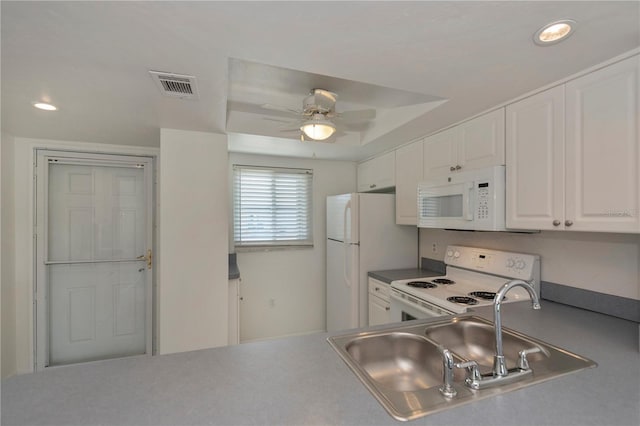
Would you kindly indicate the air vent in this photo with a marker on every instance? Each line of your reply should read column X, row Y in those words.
column 175, row 85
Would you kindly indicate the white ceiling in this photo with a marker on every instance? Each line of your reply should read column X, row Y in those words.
column 92, row 60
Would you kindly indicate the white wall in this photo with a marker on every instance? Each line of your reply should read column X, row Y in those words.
column 602, row 262
column 284, row 290
column 8, row 293
column 193, row 287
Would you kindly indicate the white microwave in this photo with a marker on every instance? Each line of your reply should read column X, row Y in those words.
column 470, row 200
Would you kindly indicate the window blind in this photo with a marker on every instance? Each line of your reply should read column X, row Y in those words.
column 272, row 206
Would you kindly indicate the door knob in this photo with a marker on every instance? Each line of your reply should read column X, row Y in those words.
column 556, row 222
column 568, row 222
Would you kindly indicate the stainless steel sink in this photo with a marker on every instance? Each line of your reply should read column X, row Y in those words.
column 402, row 366
column 475, row 340
column 398, row 361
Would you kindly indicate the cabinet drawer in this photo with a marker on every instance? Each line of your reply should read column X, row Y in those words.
column 379, row 289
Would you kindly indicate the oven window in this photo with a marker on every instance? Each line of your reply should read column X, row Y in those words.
column 442, row 206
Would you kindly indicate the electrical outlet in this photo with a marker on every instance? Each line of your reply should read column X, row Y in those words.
column 434, row 247
column 272, row 302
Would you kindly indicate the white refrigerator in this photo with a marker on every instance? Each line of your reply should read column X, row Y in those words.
column 362, row 236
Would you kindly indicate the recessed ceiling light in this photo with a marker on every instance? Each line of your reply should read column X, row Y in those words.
column 45, row 106
column 554, row 32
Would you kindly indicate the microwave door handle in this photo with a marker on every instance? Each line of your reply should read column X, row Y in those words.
column 469, row 203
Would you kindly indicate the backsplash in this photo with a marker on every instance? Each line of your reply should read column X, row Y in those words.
column 593, row 271
column 601, row 262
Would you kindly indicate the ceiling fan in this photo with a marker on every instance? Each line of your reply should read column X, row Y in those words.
column 318, row 119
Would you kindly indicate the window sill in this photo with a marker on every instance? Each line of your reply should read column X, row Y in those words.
column 249, row 249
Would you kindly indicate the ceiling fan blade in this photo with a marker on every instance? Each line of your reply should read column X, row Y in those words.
column 280, row 120
column 281, row 109
column 357, row 115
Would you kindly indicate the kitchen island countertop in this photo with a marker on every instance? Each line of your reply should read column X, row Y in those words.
column 301, row 380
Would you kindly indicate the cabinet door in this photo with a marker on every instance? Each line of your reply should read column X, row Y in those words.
column 602, row 187
column 535, row 161
column 408, row 174
column 234, row 311
column 481, row 141
column 365, row 173
column 378, row 311
column 377, row 174
column 441, row 153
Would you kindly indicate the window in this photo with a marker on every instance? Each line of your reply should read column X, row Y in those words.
column 272, row 206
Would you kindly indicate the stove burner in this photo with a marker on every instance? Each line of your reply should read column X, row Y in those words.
column 443, row 281
column 486, row 295
column 421, row 284
column 464, row 300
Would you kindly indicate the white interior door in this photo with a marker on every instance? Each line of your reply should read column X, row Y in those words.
column 95, row 261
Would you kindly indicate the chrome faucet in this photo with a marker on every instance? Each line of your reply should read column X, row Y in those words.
column 499, row 365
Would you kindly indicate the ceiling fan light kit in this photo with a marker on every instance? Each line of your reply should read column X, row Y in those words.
column 319, row 119
column 318, row 128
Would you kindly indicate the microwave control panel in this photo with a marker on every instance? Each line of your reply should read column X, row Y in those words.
column 482, row 206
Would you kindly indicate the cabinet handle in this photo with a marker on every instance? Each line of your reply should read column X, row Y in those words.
column 568, row 222
column 373, row 185
column 453, row 169
column 556, row 222
column 386, row 308
column 458, row 167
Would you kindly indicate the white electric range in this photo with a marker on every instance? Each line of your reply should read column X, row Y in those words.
column 473, row 276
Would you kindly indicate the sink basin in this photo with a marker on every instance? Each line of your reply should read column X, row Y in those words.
column 475, row 340
column 399, row 361
column 402, row 366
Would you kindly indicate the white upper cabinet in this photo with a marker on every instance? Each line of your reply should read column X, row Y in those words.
column 474, row 144
column 602, row 153
column 408, row 174
column 535, row 161
column 377, row 174
column 573, row 154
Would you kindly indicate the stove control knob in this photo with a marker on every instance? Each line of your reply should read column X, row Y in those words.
column 520, row 264
column 449, row 253
column 511, row 263
column 456, row 254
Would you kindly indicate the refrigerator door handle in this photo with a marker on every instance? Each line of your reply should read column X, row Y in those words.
column 347, row 281
column 347, row 241
column 346, row 238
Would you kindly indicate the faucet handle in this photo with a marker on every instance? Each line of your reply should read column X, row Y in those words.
column 473, row 372
column 523, row 363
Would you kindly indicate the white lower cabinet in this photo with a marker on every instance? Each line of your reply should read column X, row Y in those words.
column 379, row 302
column 573, row 154
column 234, row 311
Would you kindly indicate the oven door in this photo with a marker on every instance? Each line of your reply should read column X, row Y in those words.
column 405, row 307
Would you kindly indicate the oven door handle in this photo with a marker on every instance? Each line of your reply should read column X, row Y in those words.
column 406, row 301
